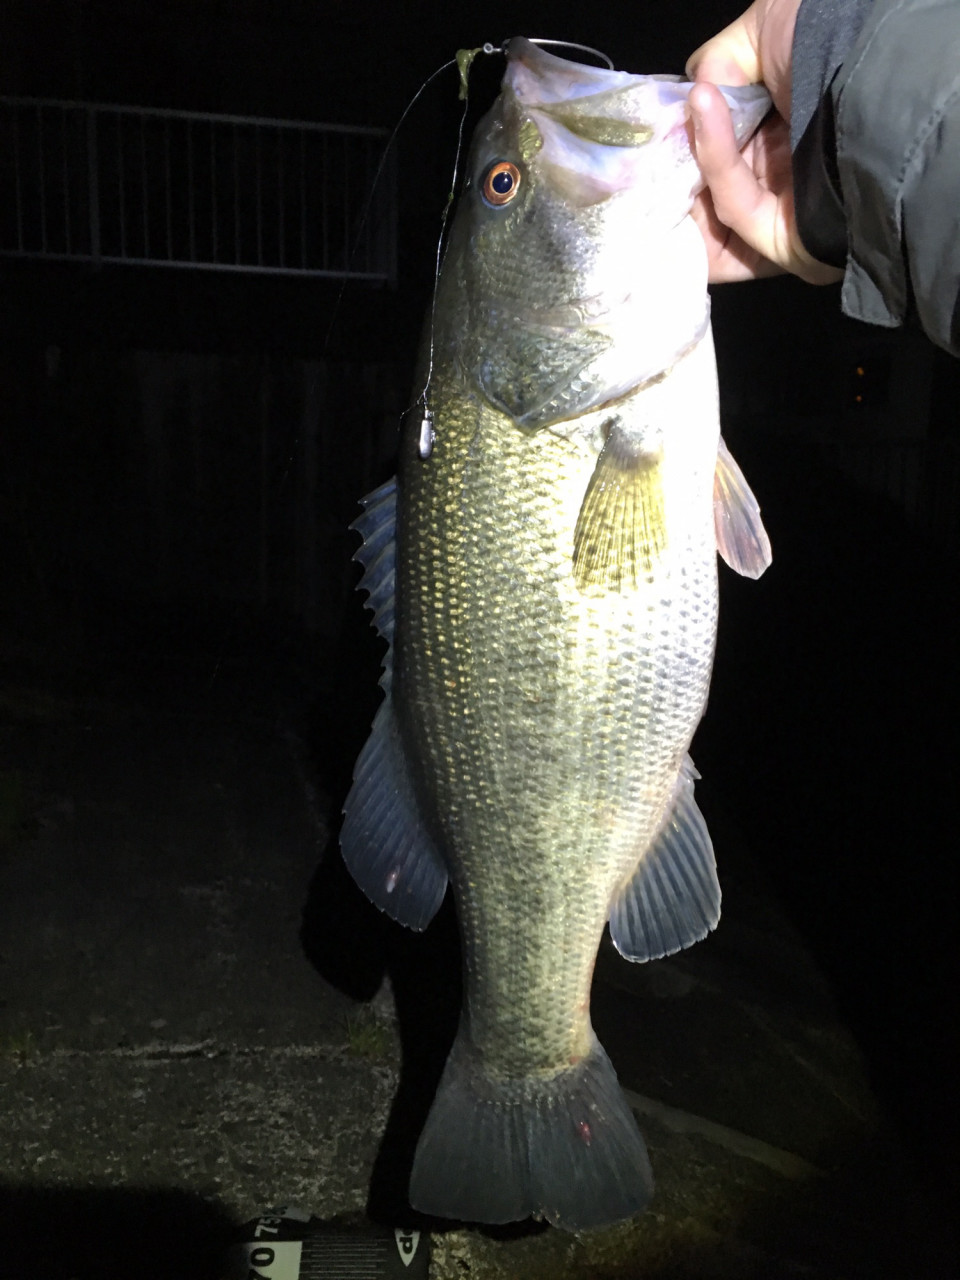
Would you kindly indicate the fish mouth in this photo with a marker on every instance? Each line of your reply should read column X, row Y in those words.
column 596, row 126
column 533, row 71
column 539, row 78
column 593, row 124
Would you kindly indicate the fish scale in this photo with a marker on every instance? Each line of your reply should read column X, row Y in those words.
column 546, row 580
column 554, row 727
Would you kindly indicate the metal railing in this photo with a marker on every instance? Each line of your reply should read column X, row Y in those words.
column 177, row 188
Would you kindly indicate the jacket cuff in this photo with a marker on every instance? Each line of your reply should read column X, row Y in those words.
column 825, row 32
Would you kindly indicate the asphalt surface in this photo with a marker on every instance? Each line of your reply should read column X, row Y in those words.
column 200, row 1017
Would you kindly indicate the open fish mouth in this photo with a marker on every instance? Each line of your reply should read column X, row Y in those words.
column 594, row 125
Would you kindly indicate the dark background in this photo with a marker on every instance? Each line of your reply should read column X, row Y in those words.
column 832, row 725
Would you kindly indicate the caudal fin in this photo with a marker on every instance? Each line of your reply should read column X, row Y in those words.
column 565, row 1148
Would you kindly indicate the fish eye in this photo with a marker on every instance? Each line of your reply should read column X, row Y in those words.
column 500, row 184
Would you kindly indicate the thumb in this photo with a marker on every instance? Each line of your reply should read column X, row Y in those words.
column 731, row 56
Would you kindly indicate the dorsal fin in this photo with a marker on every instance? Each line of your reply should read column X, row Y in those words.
column 378, row 555
column 384, row 841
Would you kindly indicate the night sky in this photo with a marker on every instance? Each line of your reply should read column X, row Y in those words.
column 833, row 719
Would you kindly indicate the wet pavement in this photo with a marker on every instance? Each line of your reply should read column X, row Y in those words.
column 200, row 1017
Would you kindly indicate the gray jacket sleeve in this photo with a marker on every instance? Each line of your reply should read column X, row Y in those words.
column 875, row 132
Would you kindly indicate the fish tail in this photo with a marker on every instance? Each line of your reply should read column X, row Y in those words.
column 565, row 1147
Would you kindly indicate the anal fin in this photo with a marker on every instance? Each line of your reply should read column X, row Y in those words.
column 621, row 531
column 673, row 897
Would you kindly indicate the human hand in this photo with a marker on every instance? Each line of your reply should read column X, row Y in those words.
column 746, row 212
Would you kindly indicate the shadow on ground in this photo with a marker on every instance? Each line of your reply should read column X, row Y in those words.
column 357, row 950
column 80, row 1233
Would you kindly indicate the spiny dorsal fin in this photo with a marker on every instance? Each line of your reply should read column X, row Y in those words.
column 621, row 531
column 378, row 555
column 741, row 538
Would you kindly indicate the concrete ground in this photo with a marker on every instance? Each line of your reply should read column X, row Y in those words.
column 201, row 1018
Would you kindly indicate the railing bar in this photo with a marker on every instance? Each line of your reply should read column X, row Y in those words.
column 93, row 184
column 191, row 228
column 144, row 188
column 369, row 206
column 378, row 243
column 325, row 185
column 122, row 201
column 359, row 240
column 345, row 202
column 219, row 118
column 43, row 185
column 390, row 178
column 67, row 233
column 378, row 247
column 280, row 227
column 236, row 197
column 257, row 156
column 168, row 188
column 253, row 267
column 213, row 191
column 303, row 199
column 58, row 256
column 367, row 211
column 18, row 197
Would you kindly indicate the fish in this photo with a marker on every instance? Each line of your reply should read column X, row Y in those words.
column 543, row 568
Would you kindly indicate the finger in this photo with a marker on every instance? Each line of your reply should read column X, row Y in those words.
column 731, row 181
column 739, row 200
column 729, row 259
column 729, row 57
column 762, row 219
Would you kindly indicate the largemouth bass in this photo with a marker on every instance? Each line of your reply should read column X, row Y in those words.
column 544, row 571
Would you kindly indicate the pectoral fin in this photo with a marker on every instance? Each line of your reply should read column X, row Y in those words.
column 673, row 898
column 741, row 538
column 621, row 530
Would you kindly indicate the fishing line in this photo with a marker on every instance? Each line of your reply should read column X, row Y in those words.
column 334, row 316
column 572, row 44
column 464, row 60
column 378, row 174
